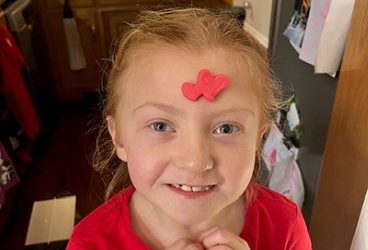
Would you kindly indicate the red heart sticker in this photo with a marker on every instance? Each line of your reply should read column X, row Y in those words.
column 207, row 85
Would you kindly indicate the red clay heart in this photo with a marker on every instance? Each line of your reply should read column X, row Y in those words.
column 207, row 85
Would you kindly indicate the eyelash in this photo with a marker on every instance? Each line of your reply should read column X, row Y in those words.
column 152, row 126
column 167, row 127
column 234, row 129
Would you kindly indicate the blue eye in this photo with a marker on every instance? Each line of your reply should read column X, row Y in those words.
column 160, row 126
column 226, row 129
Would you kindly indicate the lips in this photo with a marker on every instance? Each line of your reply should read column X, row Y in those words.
column 194, row 189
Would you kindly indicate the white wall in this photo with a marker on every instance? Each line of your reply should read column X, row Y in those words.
column 258, row 18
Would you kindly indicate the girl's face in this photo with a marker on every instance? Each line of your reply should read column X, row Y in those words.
column 189, row 160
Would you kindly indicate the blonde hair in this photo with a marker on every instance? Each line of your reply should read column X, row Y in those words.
column 194, row 30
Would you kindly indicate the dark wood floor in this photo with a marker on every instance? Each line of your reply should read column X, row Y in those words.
column 61, row 167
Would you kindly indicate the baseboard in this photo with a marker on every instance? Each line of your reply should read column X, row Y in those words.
column 257, row 35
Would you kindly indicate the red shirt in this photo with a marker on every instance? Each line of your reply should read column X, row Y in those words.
column 272, row 222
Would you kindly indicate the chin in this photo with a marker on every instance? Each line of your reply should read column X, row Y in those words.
column 192, row 216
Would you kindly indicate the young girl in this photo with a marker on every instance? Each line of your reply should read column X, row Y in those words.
column 189, row 97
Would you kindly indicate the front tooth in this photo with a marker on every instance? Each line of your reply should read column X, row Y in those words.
column 197, row 189
column 186, row 188
column 176, row 185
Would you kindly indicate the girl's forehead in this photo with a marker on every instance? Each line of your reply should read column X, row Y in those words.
column 159, row 76
column 170, row 64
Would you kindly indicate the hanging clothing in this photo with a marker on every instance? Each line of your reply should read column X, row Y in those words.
column 8, row 174
column 13, row 87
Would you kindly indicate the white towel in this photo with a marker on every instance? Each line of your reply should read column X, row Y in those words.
column 77, row 60
column 334, row 36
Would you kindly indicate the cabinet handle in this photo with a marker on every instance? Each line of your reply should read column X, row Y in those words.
column 93, row 29
column 247, row 5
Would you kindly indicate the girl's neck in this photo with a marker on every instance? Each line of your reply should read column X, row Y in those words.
column 157, row 230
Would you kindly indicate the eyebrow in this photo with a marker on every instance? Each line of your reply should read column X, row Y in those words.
column 171, row 109
column 161, row 106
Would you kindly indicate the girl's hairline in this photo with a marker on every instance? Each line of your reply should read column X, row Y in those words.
column 241, row 60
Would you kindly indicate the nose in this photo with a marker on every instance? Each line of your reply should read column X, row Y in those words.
column 194, row 153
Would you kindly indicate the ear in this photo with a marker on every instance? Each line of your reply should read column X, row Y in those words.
column 262, row 130
column 116, row 139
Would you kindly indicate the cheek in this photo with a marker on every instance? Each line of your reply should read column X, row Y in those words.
column 241, row 163
column 238, row 163
column 144, row 167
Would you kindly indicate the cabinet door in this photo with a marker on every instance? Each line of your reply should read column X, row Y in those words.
column 125, row 2
column 157, row 2
column 55, row 4
column 344, row 174
column 116, row 23
column 71, row 84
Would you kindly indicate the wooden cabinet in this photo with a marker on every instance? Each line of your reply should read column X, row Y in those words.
column 344, row 174
column 115, row 23
column 100, row 24
column 116, row 3
column 71, row 84
column 55, row 4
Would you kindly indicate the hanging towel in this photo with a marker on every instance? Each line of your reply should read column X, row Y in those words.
column 334, row 36
column 77, row 60
column 316, row 21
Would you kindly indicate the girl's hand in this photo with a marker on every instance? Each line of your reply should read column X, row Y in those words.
column 183, row 244
column 221, row 239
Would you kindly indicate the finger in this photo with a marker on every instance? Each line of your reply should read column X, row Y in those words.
column 178, row 244
column 194, row 246
column 221, row 236
column 184, row 244
column 206, row 233
column 220, row 247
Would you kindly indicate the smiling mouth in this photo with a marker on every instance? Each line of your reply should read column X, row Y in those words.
column 187, row 188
